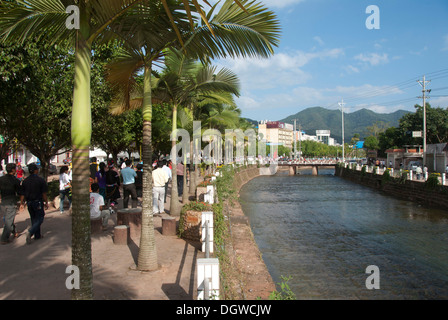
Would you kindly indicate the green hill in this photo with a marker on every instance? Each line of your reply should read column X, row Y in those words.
column 318, row 118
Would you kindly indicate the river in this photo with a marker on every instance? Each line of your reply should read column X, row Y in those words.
column 324, row 231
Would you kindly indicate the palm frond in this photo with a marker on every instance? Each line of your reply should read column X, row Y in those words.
column 121, row 75
column 237, row 33
column 22, row 20
column 225, row 80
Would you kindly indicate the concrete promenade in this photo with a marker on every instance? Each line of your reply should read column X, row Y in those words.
column 37, row 271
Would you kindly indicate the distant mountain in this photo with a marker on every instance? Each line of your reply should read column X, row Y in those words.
column 318, row 118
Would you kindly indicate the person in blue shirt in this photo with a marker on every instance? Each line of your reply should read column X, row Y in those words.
column 128, row 175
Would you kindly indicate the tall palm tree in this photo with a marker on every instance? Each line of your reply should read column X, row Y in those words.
column 180, row 83
column 141, row 52
column 46, row 19
column 144, row 37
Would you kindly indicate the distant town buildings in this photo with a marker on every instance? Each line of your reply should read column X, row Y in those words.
column 276, row 132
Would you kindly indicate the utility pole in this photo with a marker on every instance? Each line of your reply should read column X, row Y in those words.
column 424, row 90
column 341, row 104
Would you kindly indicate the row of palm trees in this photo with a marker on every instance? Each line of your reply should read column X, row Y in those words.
column 143, row 30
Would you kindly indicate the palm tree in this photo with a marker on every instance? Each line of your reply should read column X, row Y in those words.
column 144, row 37
column 21, row 20
column 182, row 81
column 46, row 19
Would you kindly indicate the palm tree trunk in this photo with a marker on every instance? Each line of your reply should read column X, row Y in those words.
column 147, row 255
column 174, row 203
column 81, row 129
column 192, row 186
column 185, row 191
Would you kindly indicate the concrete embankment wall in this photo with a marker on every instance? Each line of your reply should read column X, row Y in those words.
column 245, row 175
column 247, row 261
column 407, row 190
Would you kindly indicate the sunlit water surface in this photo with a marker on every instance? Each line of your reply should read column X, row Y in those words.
column 324, row 232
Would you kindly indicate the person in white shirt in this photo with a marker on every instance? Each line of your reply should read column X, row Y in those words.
column 168, row 171
column 97, row 206
column 64, row 188
column 159, row 179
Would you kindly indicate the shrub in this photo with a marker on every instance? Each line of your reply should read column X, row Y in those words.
column 285, row 292
column 205, row 183
column 53, row 190
column 433, row 181
column 386, row 176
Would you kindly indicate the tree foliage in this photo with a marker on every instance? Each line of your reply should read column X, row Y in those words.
column 36, row 83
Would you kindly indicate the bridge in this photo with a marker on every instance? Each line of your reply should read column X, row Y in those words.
column 313, row 164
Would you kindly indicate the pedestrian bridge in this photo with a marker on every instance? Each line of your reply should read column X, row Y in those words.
column 314, row 165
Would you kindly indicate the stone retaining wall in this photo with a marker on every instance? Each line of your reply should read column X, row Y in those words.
column 409, row 190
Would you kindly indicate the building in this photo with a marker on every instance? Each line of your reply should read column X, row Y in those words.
column 400, row 158
column 323, row 136
column 276, row 132
column 436, row 157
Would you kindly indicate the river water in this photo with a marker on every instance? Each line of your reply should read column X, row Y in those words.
column 324, row 232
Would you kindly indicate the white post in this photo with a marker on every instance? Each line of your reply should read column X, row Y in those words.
column 426, row 175
column 207, row 217
column 209, row 197
column 208, row 272
column 410, row 174
column 443, row 179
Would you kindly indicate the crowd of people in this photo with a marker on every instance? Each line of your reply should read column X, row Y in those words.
column 108, row 183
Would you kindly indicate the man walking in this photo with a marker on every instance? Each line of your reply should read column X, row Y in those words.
column 128, row 174
column 159, row 179
column 34, row 191
column 9, row 190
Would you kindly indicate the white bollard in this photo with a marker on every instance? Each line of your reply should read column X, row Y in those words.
column 410, row 174
column 207, row 216
column 209, row 197
column 443, row 179
column 208, row 279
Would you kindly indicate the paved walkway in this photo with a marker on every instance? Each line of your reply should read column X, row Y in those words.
column 37, row 271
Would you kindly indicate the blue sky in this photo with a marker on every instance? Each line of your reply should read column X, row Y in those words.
column 328, row 54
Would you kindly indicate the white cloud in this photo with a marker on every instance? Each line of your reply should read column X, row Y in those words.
column 281, row 70
column 373, row 59
column 319, row 40
column 351, row 69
